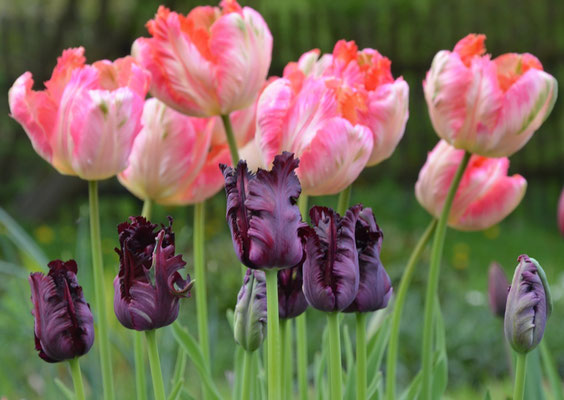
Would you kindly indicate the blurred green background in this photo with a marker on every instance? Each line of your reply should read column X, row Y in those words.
column 53, row 208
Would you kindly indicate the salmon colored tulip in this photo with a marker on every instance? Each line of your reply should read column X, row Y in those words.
column 337, row 113
column 85, row 121
column 485, row 196
column 212, row 61
column 173, row 160
column 488, row 107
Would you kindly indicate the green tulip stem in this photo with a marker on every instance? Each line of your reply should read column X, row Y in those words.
column 273, row 334
column 393, row 345
column 147, row 208
column 301, row 327
column 344, row 200
column 247, row 378
column 77, row 378
column 433, row 281
column 335, row 366
column 155, row 363
column 100, row 295
column 519, row 388
column 361, row 355
column 551, row 371
column 200, row 280
column 230, row 139
column 286, row 340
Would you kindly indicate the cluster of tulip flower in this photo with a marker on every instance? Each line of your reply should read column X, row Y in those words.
column 313, row 130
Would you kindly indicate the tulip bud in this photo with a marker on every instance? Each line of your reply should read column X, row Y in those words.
column 249, row 318
column 148, row 286
column 64, row 326
column 498, row 287
column 528, row 306
column 291, row 299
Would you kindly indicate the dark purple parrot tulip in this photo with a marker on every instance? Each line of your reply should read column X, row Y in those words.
column 263, row 215
column 64, row 326
column 330, row 270
column 375, row 286
column 498, row 288
column 291, row 299
column 249, row 318
column 528, row 306
column 148, row 286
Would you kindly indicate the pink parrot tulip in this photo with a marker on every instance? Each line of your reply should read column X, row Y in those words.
column 85, row 121
column 488, row 107
column 212, row 61
column 485, row 196
column 337, row 113
column 173, row 160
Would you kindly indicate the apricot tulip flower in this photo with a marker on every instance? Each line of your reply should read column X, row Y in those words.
column 85, row 121
column 488, row 107
column 485, row 196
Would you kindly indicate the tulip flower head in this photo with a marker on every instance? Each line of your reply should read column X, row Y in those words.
column 249, row 319
column 331, row 273
column 561, row 213
column 528, row 307
column 64, row 326
column 375, row 286
column 487, row 107
column 485, row 196
column 262, row 213
column 212, row 61
column 337, row 113
column 148, row 286
column 291, row 299
column 498, row 288
column 173, row 160
column 85, row 121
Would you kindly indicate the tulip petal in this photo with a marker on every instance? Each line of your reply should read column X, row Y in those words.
column 291, row 299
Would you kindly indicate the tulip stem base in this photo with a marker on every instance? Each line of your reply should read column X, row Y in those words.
column 273, row 332
column 200, row 280
column 155, row 363
column 287, row 378
column 247, row 364
column 393, row 345
column 77, row 379
column 519, row 388
column 335, row 366
column 551, row 371
column 100, row 296
column 301, row 326
column 433, row 281
column 344, row 200
column 361, row 356
column 230, row 139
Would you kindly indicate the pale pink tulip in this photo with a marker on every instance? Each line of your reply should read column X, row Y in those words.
column 173, row 160
column 561, row 212
column 488, row 107
column 212, row 61
column 85, row 121
column 485, row 196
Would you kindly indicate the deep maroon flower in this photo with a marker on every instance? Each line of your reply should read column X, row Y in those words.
column 375, row 286
column 528, row 306
column 64, row 326
column 262, row 213
column 249, row 318
column 330, row 270
column 291, row 299
column 148, row 286
column 498, row 288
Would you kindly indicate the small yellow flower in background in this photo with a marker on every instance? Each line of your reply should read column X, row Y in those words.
column 492, row 232
column 44, row 234
column 461, row 255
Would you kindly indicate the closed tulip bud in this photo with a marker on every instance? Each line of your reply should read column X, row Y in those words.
column 64, row 326
column 291, row 299
column 498, row 288
column 529, row 305
column 148, row 286
column 331, row 276
column 561, row 213
column 249, row 319
column 263, row 215
column 375, row 286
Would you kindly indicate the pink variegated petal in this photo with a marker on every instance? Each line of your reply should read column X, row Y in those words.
column 123, row 72
column 70, row 60
column 252, row 155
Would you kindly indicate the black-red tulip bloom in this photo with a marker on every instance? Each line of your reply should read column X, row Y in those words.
column 148, row 286
column 263, row 215
column 64, row 326
column 375, row 286
column 330, row 270
column 291, row 299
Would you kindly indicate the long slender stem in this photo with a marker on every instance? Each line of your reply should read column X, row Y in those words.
column 283, row 360
column 155, row 363
column 200, row 278
column 287, row 353
column 301, row 327
column 433, row 281
column 393, row 344
column 273, row 332
column 344, row 200
column 519, row 388
column 77, row 378
column 247, row 363
column 551, row 371
column 361, row 356
column 335, row 367
column 100, row 296
column 230, row 139
column 147, row 208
